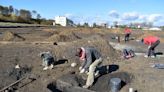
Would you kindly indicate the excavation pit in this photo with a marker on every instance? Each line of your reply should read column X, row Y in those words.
column 74, row 83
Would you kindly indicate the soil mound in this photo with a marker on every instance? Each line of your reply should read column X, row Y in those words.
column 9, row 36
column 74, row 34
column 68, row 49
column 117, row 30
column 64, row 37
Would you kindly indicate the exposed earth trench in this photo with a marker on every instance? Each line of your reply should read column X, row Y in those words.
column 23, row 45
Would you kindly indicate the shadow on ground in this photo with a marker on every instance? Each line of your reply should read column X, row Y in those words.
column 61, row 61
column 159, row 53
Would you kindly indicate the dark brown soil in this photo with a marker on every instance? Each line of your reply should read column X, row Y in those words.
column 144, row 78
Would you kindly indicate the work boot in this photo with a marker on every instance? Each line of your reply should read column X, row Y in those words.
column 152, row 56
column 146, row 56
column 51, row 66
column 45, row 68
column 86, row 86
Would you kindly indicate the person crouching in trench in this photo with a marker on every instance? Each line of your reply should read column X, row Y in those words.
column 91, row 59
column 47, row 60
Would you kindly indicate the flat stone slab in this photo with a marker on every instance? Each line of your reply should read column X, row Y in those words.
column 142, row 54
column 120, row 47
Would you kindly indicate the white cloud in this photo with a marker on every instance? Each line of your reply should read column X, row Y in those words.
column 86, row 19
column 68, row 15
column 128, row 17
column 151, row 17
column 76, row 19
column 143, row 17
column 114, row 14
column 122, row 18
column 154, row 17
column 131, row 16
column 160, row 23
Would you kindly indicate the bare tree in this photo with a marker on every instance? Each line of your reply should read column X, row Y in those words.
column 38, row 16
column 11, row 9
column 94, row 25
column 16, row 12
column 1, row 9
column 34, row 13
column 115, row 24
column 25, row 14
column 85, row 24
column 5, row 11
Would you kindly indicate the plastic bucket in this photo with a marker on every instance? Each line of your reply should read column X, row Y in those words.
column 115, row 84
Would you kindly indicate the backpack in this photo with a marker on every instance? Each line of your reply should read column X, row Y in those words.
column 128, row 53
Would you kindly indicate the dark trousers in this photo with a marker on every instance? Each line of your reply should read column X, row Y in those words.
column 127, row 37
column 151, row 50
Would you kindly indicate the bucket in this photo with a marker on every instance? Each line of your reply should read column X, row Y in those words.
column 115, row 84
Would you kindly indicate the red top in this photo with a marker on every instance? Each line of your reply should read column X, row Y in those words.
column 150, row 40
column 127, row 30
column 82, row 54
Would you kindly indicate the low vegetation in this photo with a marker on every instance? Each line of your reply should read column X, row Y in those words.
column 10, row 14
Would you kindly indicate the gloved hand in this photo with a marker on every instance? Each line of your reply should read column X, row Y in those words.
column 149, row 47
column 82, row 70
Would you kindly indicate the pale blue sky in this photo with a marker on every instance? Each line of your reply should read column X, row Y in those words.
column 124, row 11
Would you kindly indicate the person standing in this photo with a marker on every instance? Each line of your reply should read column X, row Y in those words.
column 127, row 34
column 91, row 59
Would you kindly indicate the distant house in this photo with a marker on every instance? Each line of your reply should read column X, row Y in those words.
column 63, row 21
column 104, row 25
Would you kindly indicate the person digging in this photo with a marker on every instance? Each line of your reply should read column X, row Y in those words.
column 90, row 59
column 152, row 42
column 47, row 60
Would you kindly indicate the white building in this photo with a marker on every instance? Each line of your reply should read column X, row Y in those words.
column 155, row 29
column 63, row 21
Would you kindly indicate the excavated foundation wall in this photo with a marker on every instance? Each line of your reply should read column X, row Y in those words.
column 73, row 83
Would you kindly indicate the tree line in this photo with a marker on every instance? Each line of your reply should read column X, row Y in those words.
column 11, row 14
